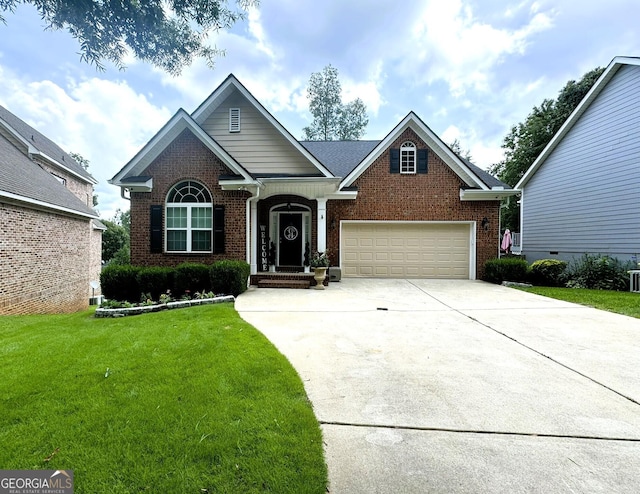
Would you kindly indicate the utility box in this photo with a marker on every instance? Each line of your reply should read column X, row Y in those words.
column 335, row 273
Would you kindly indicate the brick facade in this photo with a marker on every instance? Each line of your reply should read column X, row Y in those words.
column 186, row 158
column 47, row 261
column 434, row 196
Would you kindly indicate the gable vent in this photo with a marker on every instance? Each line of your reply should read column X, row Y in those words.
column 234, row 119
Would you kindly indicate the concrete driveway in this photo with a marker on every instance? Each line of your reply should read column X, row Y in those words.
column 461, row 386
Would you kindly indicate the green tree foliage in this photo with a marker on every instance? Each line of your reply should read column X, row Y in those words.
column 333, row 120
column 166, row 34
column 527, row 139
column 115, row 239
column 456, row 147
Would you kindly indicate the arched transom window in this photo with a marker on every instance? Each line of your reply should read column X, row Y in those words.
column 408, row 157
column 189, row 218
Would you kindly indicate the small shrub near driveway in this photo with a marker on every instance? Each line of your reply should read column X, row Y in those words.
column 230, row 277
column 154, row 281
column 194, row 401
column 505, row 269
column 191, row 277
column 120, row 283
column 547, row 272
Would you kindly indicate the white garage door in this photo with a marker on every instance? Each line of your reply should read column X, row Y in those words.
column 405, row 250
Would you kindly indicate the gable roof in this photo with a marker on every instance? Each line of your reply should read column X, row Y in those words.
column 593, row 93
column 36, row 143
column 171, row 130
column 24, row 181
column 471, row 175
column 230, row 84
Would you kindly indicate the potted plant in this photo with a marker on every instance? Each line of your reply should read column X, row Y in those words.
column 307, row 253
column 319, row 262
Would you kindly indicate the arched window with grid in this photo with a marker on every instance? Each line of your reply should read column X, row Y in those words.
column 189, row 218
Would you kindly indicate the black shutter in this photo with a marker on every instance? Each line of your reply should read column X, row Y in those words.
column 422, row 161
column 218, row 229
column 394, row 160
column 156, row 229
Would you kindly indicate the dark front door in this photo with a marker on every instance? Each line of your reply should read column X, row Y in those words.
column 290, row 252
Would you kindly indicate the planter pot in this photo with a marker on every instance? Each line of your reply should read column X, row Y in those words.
column 307, row 269
column 272, row 269
column 319, row 274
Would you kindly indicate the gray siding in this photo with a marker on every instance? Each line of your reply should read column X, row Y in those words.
column 259, row 146
column 586, row 196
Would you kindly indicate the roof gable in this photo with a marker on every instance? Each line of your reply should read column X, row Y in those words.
column 468, row 173
column 575, row 116
column 158, row 143
column 226, row 89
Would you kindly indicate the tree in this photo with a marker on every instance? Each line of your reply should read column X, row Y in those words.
column 332, row 120
column 84, row 162
column 115, row 239
column 456, row 147
column 527, row 139
column 168, row 34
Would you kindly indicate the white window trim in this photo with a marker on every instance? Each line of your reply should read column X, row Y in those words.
column 234, row 119
column 189, row 229
column 411, row 151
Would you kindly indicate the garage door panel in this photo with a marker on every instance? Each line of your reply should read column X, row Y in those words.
column 406, row 250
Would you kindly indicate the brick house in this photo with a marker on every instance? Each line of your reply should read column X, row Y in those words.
column 50, row 237
column 229, row 181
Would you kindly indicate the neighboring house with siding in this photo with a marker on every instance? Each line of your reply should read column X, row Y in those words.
column 581, row 195
column 50, row 237
column 228, row 181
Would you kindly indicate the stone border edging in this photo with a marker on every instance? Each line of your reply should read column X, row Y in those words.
column 133, row 311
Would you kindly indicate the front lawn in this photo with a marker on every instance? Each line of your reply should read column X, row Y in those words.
column 625, row 303
column 185, row 401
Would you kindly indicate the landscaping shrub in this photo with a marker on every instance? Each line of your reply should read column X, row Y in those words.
column 505, row 269
column 120, row 283
column 599, row 272
column 155, row 281
column 229, row 277
column 547, row 272
column 191, row 277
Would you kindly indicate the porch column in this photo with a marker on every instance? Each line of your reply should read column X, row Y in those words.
column 322, row 224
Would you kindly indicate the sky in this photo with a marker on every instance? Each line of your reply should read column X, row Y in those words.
column 469, row 69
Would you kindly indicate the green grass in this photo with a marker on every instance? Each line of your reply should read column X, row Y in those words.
column 195, row 401
column 625, row 303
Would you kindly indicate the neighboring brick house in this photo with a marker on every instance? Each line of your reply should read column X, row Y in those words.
column 50, row 237
column 229, row 181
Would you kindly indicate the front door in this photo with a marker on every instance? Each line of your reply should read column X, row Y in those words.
column 290, row 232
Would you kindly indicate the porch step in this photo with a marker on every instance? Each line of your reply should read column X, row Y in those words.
column 282, row 283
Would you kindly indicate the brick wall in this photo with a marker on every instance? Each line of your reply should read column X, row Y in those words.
column 187, row 158
column 79, row 188
column 434, row 196
column 44, row 261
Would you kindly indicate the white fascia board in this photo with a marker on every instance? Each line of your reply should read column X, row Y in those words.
column 214, row 100
column 34, row 151
column 487, row 195
column 41, row 205
column 343, row 194
column 595, row 90
column 158, row 143
column 426, row 134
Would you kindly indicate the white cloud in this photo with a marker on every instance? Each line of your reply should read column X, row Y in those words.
column 449, row 43
column 106, row 122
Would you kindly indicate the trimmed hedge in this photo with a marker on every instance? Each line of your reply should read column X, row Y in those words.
column 547, row 272
column 191, row 277
column 229, row 277
column 505, row 269
column 120, row 282
column 154, row 281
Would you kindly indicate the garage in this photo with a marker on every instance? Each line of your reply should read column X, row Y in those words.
column 412, row 249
